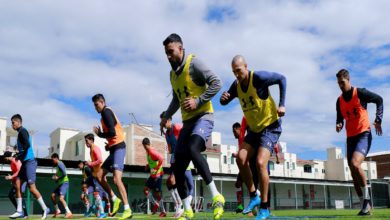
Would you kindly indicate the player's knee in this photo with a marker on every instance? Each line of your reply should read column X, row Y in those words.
column 157, row 195
column 261, row 164
column 53, row 196
column 354, row 164
column 61, row 198
column 117, row 180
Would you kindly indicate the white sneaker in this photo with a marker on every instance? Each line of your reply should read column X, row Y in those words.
column 45, row 213
column 178, row 213
column 17, row 215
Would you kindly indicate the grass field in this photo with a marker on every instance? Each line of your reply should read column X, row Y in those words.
column 277, row 214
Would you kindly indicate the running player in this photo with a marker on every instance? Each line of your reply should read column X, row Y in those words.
column 154, row 182
column 87, row 187
column 239, row 131
column 95, row 165
column 62, row 181
column 351, row 106
column 27, row 172
column 113, row 132
column 172, row 132
column 193, row 85
column 264, row 123
column 15, row 168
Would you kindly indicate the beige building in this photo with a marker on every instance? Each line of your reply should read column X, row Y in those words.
column 70, row 144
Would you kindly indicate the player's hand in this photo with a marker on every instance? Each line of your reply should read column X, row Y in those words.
column 55, row 177
column 96, row 129
column 189, row 104
column 378, row 128
column 281, row 111
column 89, row 163
column 339, row 126
column 163, row 123
column 224, row 97
column 9, row 177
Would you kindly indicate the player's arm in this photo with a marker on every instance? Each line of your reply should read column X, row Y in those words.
column 23, row 138
column 340, row 118
column 203, row 75
column 172, row 109
column 229, row 95
column 110, row 121
column 371, row 97
column 269, row 79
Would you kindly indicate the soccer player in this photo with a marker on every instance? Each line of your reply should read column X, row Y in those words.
column 172, row 131
column 112, row 131
column 264, row 123
column 95, row 165
column 62, row 181
column 15, row 168
column 28, row 169
column 239, row 131
column 351, row 106
column 154, row 182
column 87, row 186
column 193, row 85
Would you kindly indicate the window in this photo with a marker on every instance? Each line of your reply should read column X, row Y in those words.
column 77, row 152
column 293, row 165
column 287, row 165
column 225, row 159
column 323, row 170
column 346, row 169
column 231, row 160
column 366, row 173
column 271, row 165
column 79, row 147
column 307, row 168
column 316, row 170
column 58, row 146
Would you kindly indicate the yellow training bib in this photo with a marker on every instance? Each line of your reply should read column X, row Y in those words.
column 184, row 87
column 259, row 113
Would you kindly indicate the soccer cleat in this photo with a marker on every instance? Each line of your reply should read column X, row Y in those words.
column 117, row 204
column 218, row 203
column 263, row 214
column 56, row 213
column 178, row 213
column 126, row 214
column 17, row 215
column 239, row 208
column 366, row 207
column 255, row 201
column 102, row 215
column 45, row 213
column 163, row 215
column 68, row 215
column 155, row 208
column 187, row 214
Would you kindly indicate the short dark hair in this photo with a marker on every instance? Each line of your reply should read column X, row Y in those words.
column 7, row 154
column 343, row 73
column 55, row 155
column 17, row 117
column 98, row 97
column 146, row 141
column 90, row 136
column 172, row 38
column 236, row 125
column 163, row 115
column 83, row 162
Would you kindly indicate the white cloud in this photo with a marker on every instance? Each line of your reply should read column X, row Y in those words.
column 46, row 52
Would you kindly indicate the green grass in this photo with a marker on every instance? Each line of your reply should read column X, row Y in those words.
column 278, row 214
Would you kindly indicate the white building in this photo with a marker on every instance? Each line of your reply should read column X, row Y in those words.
column 8, row 137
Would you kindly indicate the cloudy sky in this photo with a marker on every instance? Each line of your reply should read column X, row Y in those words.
column 54, row 55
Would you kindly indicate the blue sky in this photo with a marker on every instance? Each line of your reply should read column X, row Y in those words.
column 55, row 56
